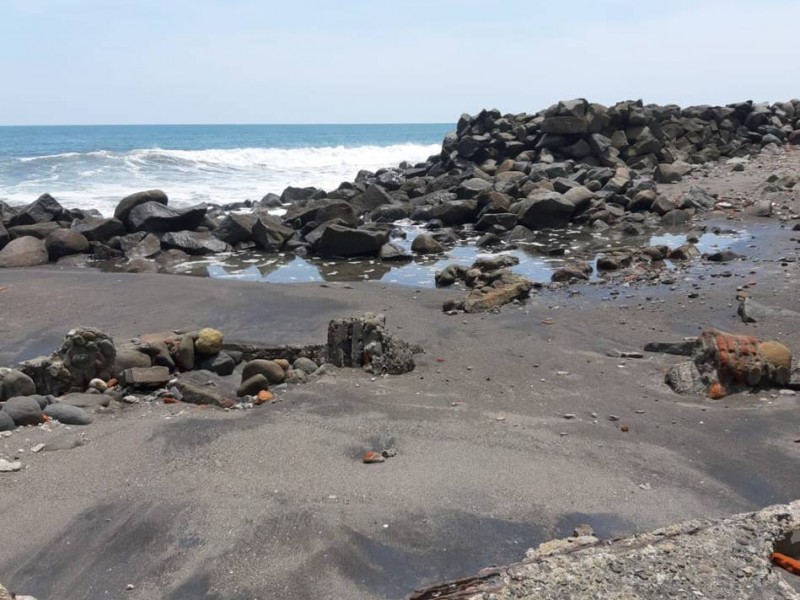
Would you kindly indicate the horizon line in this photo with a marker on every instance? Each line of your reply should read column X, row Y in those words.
column 221, row 124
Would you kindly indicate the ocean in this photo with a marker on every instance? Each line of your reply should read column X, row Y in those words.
column 95, row 166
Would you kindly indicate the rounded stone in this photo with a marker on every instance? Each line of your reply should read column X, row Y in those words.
column 6, row 422
column 304, row 364
column 16, row 383
column 252, row 385
column 67, row 414
column 271, row 370
column 776, row 354
column 24, row 410
column 208, row 342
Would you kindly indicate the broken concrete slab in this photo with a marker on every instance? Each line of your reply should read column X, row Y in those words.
column 678, row 561
column 146, row 377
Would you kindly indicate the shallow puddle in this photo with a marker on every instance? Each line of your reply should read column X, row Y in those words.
column 538, row 259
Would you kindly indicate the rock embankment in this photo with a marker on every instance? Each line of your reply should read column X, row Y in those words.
column 730, row 558
column 506, row 177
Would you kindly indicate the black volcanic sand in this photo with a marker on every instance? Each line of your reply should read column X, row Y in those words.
column 186, row 503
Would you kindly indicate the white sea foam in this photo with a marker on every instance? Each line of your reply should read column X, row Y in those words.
column 99, row 179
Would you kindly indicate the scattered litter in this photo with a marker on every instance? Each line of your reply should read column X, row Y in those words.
column 37, row 448
column 372, row 457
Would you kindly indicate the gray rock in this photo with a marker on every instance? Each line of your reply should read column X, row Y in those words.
column 37, row 230
column 154, row 217
column 455, row 212
column 341, row 241
column 195, row 393
column 23, row 252
column 425, row 243
column 697, row 198
column 15, row 383
column 667, row 173
column 140, row 265
column 6, row 422
column 544, row 210
column 65, row 242
column 271, row 370
column 751, row 311
column 5, row 237
column 221, row 364
column 128, row 203
column 236, row 228
column 252, row 385
column 68, row 414
column 194, row 242
column 146, row 377
column 184, row 356
column 89, row 401
column 45, row 208
column 306, row 365
column 393, row 252
column 684, row 378
column 24, row 410
column 129, row 356
column 369, row 200
column 147, row 247
column 269, row 233
column 99, row 230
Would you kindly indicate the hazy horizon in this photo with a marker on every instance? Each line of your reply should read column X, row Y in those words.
column 132, row 62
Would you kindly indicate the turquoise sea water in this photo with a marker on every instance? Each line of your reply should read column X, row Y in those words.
column 94, row 166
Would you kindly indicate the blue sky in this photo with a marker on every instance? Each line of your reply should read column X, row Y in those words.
column 312, row 61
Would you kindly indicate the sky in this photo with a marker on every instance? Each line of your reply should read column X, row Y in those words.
column 381, row 61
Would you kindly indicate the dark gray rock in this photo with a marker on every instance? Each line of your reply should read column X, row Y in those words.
column 195, row 243
column 546, row 210
column 425, row 243
column 45, row 208
column 86, row 401
column 15, row 383
column 128, row 203
column 488, row 221
column 23, row 252
column 455, row 212
column 155, row 217
column 37, row 230
column 5, row 237
column 99, row 230
column 697, row 198
column 269, row 233
column 147, row 247
column 146, row 377
column 23, row 410
column 6, row 422
column 271, row 370
column 345, row 242
column 236, row 228
column 184, row 355
column 389, row 213
column 68, row 414
column 221, row 364
column 393, row 252
column 252, row 385
column 306, row 365
column 65, row 242
column 373, row 197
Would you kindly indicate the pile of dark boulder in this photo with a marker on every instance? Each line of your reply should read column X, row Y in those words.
column 503, row 176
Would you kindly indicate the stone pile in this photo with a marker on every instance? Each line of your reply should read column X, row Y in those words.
column 505, row 176
column 90, row 372
column 490, row 282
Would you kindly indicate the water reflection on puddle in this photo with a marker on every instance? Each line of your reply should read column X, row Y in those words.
column 538, row 260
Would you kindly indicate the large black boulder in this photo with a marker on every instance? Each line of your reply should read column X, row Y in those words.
column 45, row 208
column 128, row 203
column 236, row 228
column 64, row 242
column 194, row 242
column 155, row 217
column 341, row 241
column 269, row 233
column 99, row 230
column 545, row 210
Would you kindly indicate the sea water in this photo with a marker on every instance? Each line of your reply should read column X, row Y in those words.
column 95, row 166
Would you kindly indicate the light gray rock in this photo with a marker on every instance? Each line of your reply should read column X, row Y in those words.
column 26, row 251
column 268, row 368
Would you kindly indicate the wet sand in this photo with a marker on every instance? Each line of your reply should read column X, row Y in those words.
column 186, row 503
